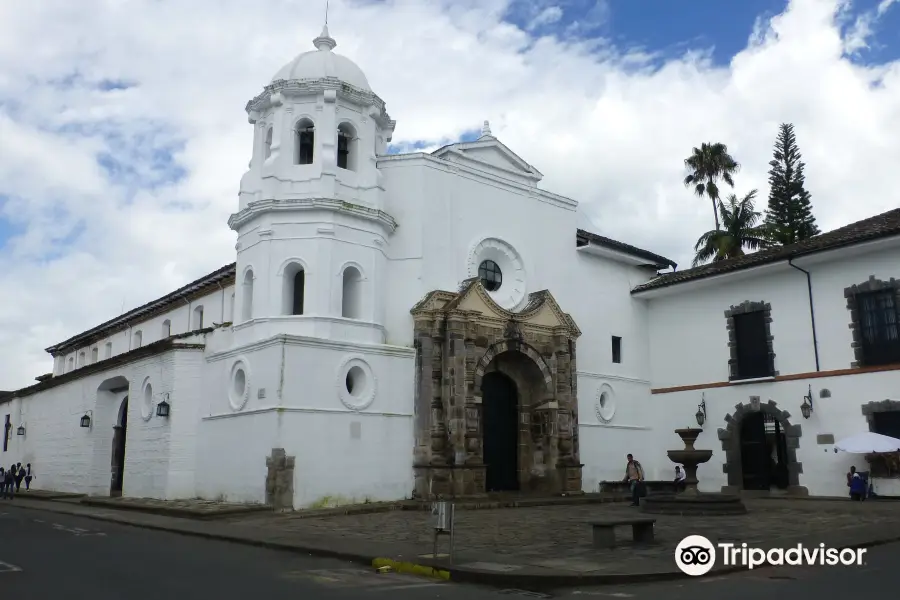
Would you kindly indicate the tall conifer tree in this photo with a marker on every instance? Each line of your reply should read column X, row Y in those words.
column 789, row 216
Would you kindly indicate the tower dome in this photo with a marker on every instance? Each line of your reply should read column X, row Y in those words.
column 322, row 62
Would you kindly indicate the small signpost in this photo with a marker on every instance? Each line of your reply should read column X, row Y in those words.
column 443, row 517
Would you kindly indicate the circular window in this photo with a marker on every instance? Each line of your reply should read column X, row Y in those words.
column 356, row 383
column 239, row 388
column 147, row 400
column 490, row 275
column 501, row 271
column 605, row 407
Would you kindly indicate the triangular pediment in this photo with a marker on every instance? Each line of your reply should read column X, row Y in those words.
column 542, row 310
column 488, row 153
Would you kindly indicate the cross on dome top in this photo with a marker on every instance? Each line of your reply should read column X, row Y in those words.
column 324, row 43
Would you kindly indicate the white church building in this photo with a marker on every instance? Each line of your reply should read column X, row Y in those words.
column 405, row 325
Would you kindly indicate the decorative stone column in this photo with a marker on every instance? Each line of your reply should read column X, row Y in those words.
column 567, row 463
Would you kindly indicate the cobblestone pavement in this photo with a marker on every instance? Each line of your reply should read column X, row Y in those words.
column 558, row 537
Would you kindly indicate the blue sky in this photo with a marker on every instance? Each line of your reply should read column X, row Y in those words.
column 670, row 27
column 667, row 27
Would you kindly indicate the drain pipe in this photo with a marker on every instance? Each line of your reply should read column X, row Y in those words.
column 812, row 312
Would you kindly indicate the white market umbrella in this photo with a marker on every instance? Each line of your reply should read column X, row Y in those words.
column 868, row 443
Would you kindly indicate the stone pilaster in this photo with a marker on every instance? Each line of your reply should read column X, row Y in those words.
column 455, row 387
column 472, row 404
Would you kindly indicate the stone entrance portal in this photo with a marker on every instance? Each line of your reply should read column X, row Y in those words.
column 496, row 396
column 760, row 447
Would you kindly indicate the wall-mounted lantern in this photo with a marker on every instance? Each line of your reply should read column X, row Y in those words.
column 807, row 407
column 701, row 411
column 86, row 419
column 21, row 429
column 162, row 409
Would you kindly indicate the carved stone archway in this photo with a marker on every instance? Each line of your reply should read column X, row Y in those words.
column 730, row 437
column 461, row 336
column 512, row 345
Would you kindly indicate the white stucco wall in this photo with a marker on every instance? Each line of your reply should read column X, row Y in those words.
column 67, row 457
column 688, row 347
column 342, row 452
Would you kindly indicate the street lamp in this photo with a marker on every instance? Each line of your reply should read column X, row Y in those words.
column 701, row 411
column 807, row 407
column 86, row 420
column 20, row 430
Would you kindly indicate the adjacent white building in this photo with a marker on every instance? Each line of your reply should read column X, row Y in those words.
column 431, row 323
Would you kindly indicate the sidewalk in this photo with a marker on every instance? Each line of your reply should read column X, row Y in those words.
column 513, row 548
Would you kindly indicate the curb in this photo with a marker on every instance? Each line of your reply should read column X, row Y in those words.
column 411, row 568
column 551, row 581
column 178, row 512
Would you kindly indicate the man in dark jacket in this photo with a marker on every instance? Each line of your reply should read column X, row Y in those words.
column 20, row 475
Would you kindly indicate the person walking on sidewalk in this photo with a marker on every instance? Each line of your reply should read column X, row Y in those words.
column 20, row 476
column 28, row 477
column 9, row 480
column 634, row 475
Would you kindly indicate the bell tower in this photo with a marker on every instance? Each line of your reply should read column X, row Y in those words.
column 310, row 224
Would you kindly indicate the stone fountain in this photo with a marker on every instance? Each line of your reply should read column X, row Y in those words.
column 691, row 501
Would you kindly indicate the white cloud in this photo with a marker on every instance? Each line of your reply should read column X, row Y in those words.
column 863, row 28
column 604, row 127
column 548, row 16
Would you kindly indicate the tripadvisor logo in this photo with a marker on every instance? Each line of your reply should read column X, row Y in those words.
column 696, row 555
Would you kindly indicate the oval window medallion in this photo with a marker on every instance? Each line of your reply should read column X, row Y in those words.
column 356, row 383
column 605, row 406
column 239, row 385
column 146, row 400
column 500, row 269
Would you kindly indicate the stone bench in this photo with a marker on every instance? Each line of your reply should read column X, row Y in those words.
column 652, row 487
column 604, row 532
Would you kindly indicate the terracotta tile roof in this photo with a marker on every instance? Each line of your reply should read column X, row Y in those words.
column 582, row 238
column 880, row 226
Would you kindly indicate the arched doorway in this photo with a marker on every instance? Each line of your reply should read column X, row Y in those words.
column 500, row 401
column 118, row 450
column 764, row 455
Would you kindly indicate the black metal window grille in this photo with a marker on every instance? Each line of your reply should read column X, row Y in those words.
column 878, row 327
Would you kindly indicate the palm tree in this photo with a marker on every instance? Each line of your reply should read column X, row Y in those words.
column 708, row 164
column 743, row 228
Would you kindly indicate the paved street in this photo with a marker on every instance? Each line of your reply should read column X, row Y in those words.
column 47, row 555
column 44, row 555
